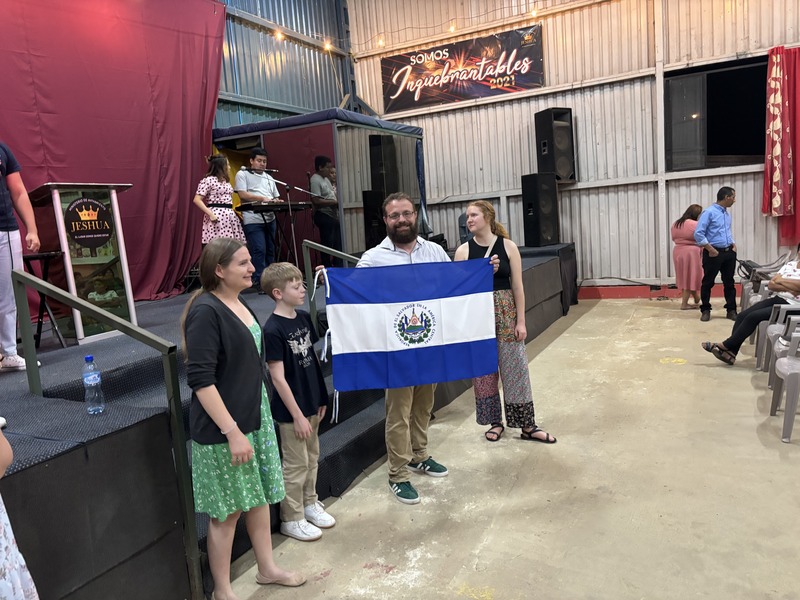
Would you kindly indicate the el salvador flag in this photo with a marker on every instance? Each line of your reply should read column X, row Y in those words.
column 411, row 325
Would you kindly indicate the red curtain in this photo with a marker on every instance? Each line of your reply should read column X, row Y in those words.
column 783, row 120
column 118, row 92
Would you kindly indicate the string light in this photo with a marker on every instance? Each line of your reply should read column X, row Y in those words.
column 385, row 35
column 382, row 37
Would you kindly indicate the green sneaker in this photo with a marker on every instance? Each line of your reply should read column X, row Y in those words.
column 404, row 492
column 429, row 467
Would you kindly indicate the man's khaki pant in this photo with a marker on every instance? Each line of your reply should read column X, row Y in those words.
column 408, row 412
column 300, row 458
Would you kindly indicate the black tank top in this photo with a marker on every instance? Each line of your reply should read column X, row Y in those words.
column 502, row 279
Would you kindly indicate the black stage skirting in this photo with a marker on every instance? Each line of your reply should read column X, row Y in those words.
column 94, row 500
column 568, row 267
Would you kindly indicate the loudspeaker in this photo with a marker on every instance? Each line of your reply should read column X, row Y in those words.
column 374, row 227
column 383, row 164
column 555, row 149
column 540, row 209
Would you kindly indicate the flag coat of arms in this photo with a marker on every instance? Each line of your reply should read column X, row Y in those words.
column 411, row 325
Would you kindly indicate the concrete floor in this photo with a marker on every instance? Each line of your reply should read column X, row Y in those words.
column 669, row 480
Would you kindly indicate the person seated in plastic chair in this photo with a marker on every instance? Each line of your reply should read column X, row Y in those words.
column 785, row 286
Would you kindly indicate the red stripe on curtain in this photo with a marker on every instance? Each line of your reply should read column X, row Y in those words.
column 118, row 92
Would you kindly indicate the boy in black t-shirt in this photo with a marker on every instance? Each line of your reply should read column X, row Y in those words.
column 299, row 400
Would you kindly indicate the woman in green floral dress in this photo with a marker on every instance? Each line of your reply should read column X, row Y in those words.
column 235, row 460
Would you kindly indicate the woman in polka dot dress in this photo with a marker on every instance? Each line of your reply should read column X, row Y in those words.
column 215, row 198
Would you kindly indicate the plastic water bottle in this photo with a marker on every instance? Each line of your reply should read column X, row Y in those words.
column 95, row 402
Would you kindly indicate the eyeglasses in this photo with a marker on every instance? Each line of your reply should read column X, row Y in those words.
column 406, row 215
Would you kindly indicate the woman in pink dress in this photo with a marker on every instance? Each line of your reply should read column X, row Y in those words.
column 215, row 198
column 687, row 256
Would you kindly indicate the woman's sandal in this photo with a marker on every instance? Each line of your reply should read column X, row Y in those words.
column 528, row 435
column 720, row 353
column 492, row 435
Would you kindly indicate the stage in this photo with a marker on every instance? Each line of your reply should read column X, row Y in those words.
column 94, row 499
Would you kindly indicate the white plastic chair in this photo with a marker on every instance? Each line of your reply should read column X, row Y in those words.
column 748, row 291
column 787, row 375
column 762, row 294
column 768, row 331
column 780, row 347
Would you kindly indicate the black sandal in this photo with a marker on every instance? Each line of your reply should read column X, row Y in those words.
column 720, row 353
column 724, row 355
column 495, row 435
column 528, row 435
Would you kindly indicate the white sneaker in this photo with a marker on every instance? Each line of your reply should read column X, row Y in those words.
column 301, row 530
column 12, row 362
column 316, row 514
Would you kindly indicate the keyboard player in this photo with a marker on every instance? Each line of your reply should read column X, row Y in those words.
column 255, row 185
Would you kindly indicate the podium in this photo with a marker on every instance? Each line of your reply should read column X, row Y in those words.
column 82, row 221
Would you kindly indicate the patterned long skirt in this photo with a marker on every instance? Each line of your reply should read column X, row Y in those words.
column 513, row 370
column 15, row 579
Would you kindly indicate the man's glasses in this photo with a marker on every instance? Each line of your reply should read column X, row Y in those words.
column 406, row 215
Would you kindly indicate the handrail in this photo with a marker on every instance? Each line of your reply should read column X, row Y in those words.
column 308, row 245
column 169, row 358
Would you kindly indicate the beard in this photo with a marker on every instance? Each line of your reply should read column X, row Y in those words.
column 405, row 236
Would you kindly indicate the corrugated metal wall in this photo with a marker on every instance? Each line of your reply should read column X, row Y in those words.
column 231, row 113
column 275, row 77
column 603, row 56
column 314, row 18
column 613, row 137
column 601, row 40
column 721, row 29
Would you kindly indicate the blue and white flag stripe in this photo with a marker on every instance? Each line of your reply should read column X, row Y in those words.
column 411, row 325
column 359, row 321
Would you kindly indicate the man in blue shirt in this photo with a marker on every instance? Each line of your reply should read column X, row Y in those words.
column 714, row 234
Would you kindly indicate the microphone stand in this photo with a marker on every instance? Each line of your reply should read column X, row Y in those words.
column 289, row 188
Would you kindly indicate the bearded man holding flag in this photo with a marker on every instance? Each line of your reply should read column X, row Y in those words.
column 406, row 329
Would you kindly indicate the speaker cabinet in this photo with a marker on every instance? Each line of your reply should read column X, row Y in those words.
column 540, row 209
column 383, row 164
column 555, row 148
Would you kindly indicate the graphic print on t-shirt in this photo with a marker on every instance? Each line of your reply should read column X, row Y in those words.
column 300, row 343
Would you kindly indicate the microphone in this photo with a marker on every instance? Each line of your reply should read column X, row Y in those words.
column 271, row 171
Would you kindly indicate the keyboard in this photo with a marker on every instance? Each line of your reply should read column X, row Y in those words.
column 275, row 207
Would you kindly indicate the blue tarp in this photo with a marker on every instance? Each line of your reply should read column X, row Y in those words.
column 331, row 114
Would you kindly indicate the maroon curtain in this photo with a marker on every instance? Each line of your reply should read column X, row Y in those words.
column 118, row 92
column 783, row 120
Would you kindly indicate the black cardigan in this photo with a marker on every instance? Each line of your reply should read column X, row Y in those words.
column 221, row 351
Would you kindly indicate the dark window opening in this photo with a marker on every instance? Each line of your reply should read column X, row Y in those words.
column 715, row 116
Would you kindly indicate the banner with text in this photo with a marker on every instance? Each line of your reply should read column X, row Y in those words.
column 489, row 66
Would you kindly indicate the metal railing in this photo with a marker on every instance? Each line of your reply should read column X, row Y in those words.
column 169, row 356
column 311, row 274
